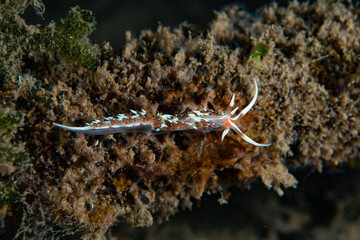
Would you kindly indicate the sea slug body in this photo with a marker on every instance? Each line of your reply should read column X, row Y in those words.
column 202, row 120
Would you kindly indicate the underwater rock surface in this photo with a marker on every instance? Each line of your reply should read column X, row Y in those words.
column 306, row 57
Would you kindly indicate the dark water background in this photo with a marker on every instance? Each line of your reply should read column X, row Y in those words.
column 115, row 17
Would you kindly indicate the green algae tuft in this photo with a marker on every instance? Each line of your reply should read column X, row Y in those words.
column 8, row 196
column 12, row 152
column 261, row 50
column 69, row 37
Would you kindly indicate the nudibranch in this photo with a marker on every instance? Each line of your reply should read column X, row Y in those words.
column 202, row 120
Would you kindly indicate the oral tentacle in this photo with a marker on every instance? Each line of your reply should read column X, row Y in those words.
column 251, row 104
column 245, row 137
